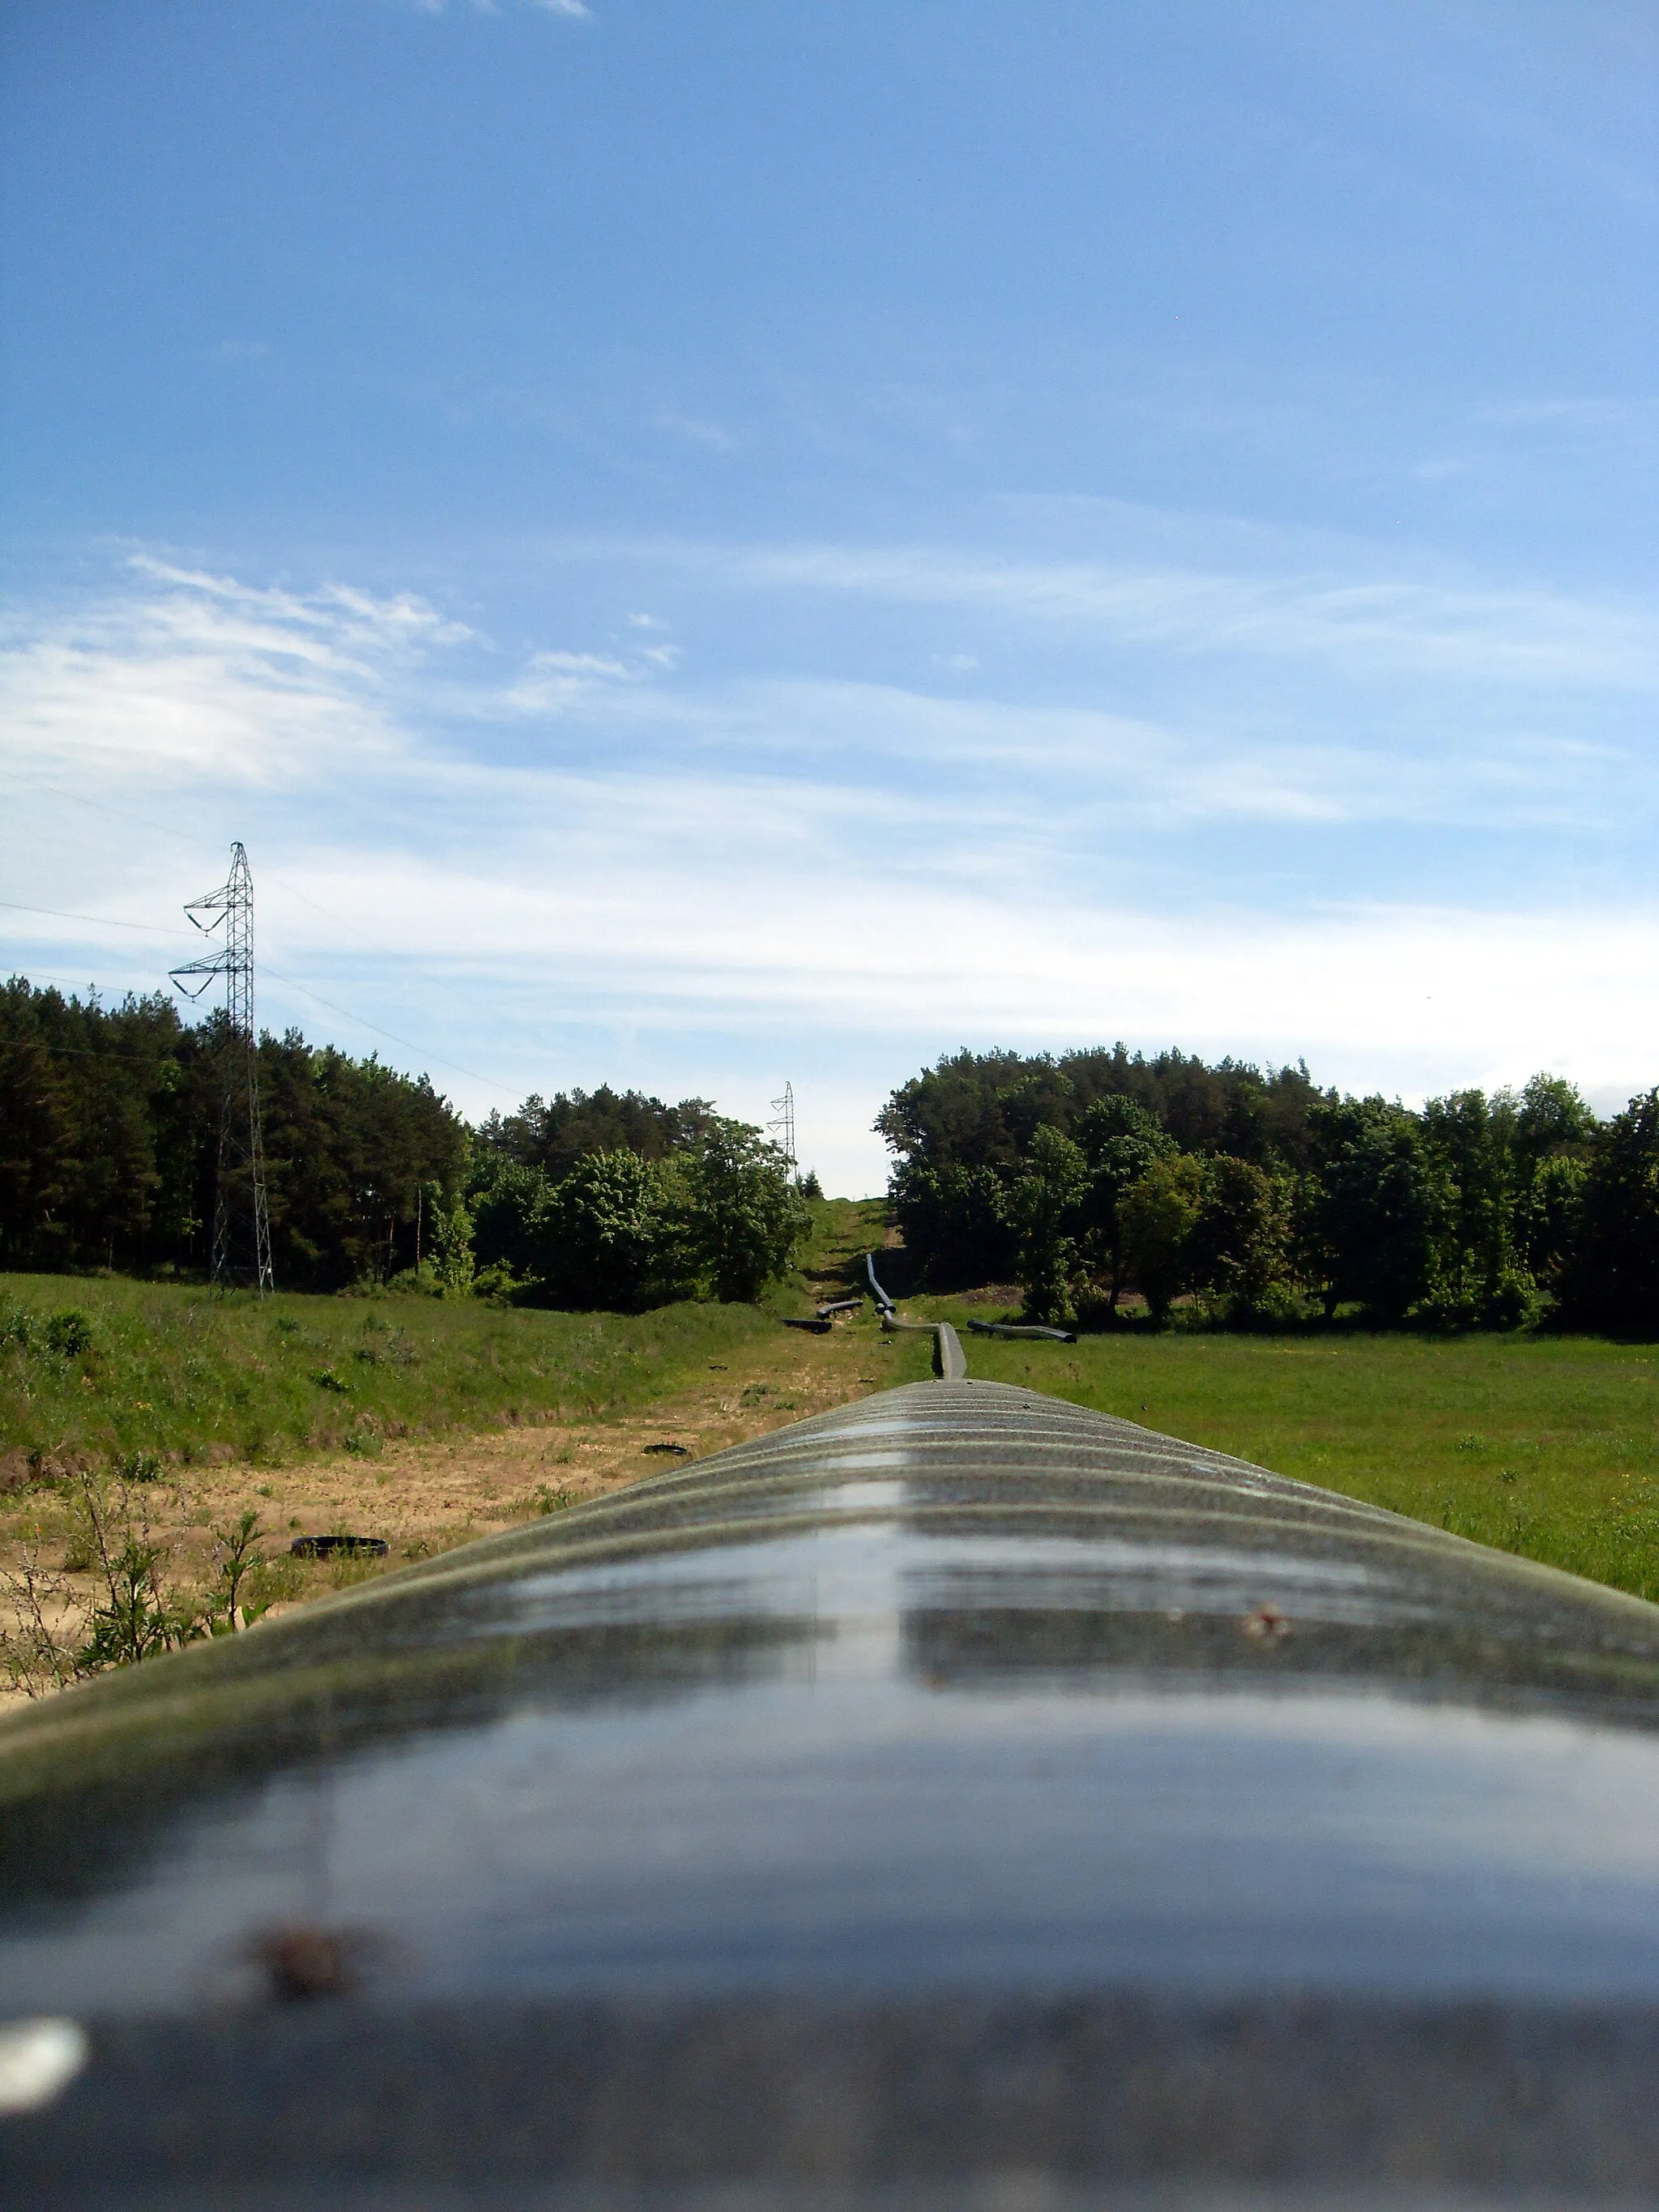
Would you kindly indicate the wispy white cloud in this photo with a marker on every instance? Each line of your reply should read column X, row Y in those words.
column 191, row 675
column 698, row 432
column 571, row 8
column 1425, row 628
column 584, row 829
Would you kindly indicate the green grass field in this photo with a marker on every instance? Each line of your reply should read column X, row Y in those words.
column 175, row 1374
column 1547, row 1446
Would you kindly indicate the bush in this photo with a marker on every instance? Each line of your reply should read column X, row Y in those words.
column 955, row 1219
column 1241, row 1239
column 613, row 1234
column 1611, row 1281
column 69, row 1331
column 1048, row 1204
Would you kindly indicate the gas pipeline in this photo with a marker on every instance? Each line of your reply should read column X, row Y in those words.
column 961, row 1798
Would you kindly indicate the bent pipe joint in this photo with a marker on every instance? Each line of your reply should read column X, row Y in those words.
column 950, row 1360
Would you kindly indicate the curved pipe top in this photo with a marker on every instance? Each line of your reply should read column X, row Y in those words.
column 959, row 1745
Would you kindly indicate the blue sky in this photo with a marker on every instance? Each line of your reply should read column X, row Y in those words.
column 700, row 545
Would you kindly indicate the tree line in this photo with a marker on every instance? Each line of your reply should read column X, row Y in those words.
column 1254, row 1198
column 109, row 1124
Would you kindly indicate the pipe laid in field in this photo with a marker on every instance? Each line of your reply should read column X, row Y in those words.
column 950, row 1360
column 1021, row 1329
column 955, row 1786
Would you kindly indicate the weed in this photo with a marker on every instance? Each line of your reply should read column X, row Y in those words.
column 34, row 1656
column 235, row 1562
column 345, row 1570
column 276, row 1581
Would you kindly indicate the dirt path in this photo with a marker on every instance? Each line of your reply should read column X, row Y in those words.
column 426, row 1497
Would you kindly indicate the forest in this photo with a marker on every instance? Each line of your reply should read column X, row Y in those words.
column 109, row 1120
column 1101, row 1181
column 1250, row 1197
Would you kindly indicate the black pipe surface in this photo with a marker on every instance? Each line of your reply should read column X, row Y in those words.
column 957, row 1799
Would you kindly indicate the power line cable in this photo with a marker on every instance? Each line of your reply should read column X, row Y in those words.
column 53, row 975
column 116, row 813
column 140, row 822
column 102, row 920
column 454, row 1067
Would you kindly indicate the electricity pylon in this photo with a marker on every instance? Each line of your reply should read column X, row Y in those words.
column 241, row 1219
column 784, row 1127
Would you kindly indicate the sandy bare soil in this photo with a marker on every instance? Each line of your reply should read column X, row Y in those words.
column 438, row 1493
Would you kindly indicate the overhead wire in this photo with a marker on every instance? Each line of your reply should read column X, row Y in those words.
column 101, row 920
column 139, row 821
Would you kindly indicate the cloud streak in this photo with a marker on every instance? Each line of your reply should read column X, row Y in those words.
column 1366, row 625
column 870, row 869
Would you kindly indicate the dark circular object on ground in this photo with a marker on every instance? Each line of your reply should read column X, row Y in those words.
column 959, row 1798
column 337, row 1547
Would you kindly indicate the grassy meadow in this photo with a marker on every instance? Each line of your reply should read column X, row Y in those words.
column 1547, row 1446
column 174, row 1376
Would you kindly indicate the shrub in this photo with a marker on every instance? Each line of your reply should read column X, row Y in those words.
column 1612, row 1279
column 612, row 1234
column 1048, row 1205
column 69, row 1331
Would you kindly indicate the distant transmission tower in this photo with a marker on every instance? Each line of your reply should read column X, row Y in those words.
column 784, row 1127
column 241, row 1219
